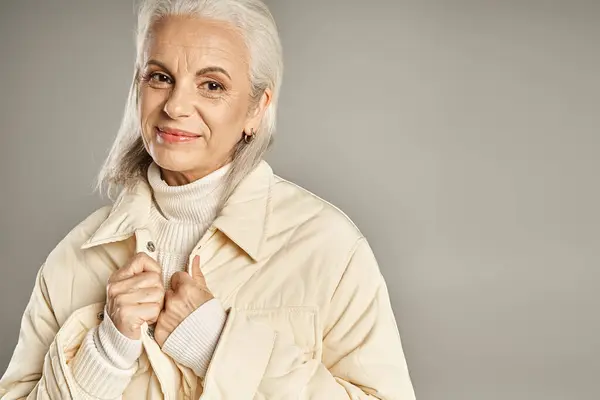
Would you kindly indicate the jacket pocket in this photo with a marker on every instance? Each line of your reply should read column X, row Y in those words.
column 259, row 343
column 297, row 335
column 71, row 334
column 66, row 343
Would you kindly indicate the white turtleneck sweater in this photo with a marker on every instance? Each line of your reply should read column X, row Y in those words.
column 179, row 217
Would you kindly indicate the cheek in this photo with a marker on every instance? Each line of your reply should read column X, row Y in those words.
column 151, row 102
column 225, row 121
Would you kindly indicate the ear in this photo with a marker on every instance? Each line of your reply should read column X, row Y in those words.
column 256, row 115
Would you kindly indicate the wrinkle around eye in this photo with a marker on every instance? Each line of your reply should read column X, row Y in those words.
column 219, row 92
column 150, row 79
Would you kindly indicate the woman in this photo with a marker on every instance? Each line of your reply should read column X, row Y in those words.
column 210, row 276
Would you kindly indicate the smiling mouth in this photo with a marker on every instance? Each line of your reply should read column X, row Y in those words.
column 176, row 132
column 175, row 135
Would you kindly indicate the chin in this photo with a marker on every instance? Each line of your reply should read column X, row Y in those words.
column 176, row 160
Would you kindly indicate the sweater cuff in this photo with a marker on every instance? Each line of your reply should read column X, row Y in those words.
column 95, row 374
column 118, row 349
column 193, row 342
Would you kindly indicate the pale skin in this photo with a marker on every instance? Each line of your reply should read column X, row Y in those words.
column 135, row 294
column 195, row 103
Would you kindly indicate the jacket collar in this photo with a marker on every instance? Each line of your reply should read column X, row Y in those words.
column 242, row 219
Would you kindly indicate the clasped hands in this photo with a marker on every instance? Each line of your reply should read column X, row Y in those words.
column 135, row 294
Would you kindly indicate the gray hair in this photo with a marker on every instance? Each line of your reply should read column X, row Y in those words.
column 128, row 160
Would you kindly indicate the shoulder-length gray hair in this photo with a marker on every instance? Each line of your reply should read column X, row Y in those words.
column 128, row 160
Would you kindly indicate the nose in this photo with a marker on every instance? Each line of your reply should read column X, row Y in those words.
column 179, row 104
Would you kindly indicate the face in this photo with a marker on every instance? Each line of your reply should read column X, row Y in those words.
column 195, row 96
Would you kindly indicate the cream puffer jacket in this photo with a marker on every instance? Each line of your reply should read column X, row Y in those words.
column 309, row 315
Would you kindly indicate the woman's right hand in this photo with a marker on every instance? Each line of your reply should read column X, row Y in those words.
column 135, row 294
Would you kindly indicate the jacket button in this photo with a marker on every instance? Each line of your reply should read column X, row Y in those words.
column 100, row 315
column 150, row 246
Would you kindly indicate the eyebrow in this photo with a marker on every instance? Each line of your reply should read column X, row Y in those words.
column 200, row 72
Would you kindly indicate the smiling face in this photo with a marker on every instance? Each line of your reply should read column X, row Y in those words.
column 195, row 95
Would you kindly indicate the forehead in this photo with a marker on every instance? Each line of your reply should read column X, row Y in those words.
column 199, row 40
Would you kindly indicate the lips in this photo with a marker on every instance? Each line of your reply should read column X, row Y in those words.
column 171, row 135
column 177, row 132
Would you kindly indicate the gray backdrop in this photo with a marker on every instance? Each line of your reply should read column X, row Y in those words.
column 461, row 136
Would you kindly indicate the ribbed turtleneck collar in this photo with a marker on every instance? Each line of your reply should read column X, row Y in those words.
column 195, row 202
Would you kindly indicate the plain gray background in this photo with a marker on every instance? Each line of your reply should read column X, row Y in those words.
column 461, row 136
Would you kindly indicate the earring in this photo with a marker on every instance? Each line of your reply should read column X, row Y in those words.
column 249, row 138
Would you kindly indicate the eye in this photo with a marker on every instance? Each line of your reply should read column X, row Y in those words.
column 213, row 86
column 157, row 76
column 158, row 79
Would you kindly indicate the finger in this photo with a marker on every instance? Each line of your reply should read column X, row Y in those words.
column 134, row 315
column 148, row 312
column 149, row 295
column 152, row 320
column 146, row 279
column 197, row 274
column 137, row 282
column 169, row 294
column 178, row 279
column 171, row 304
column 140, row 281
column 139, row 263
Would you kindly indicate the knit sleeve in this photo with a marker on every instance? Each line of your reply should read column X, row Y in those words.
column 193, row 342
column 105, row 362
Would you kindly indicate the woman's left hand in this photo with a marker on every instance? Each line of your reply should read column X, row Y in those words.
column 187, row 293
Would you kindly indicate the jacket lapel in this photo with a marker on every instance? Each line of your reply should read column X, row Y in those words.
column 242, row 219
column 244, row 216
column 128, row 214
